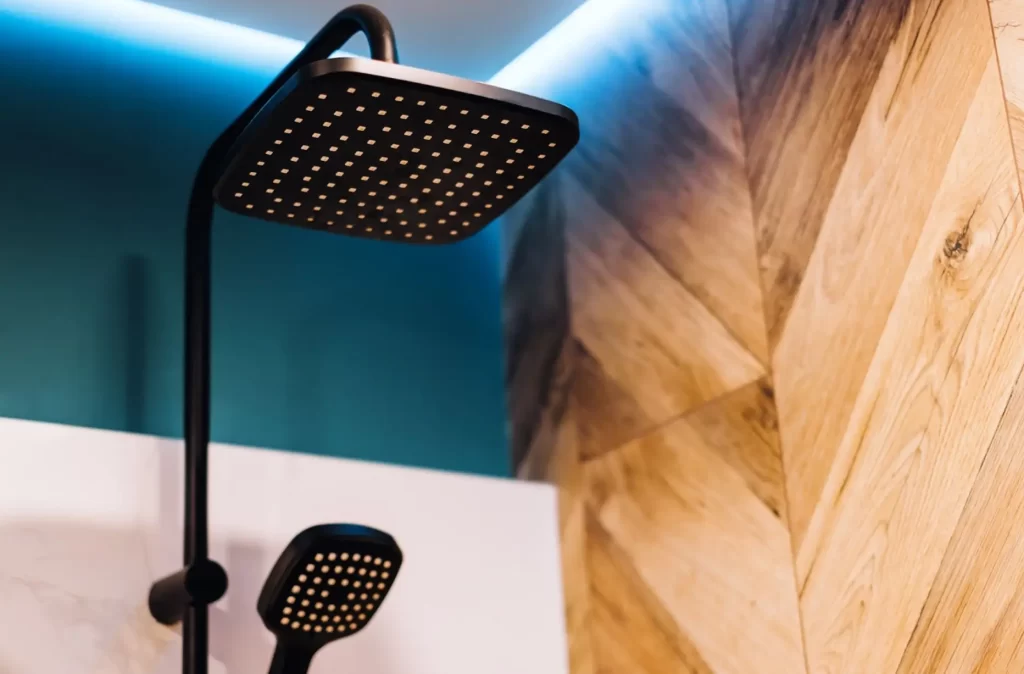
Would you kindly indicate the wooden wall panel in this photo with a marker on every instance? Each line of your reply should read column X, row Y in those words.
column 805, row 73
column 681, row 520
column 652, row 338
column 632, row 631
column 926, row 413
column 663, row 279
column 871, row 220
column 676, row 548
column 682, row 490
column 1008, row 29
column 663, row 155
column 794, row 250
column 973, row 619
column 888, row 224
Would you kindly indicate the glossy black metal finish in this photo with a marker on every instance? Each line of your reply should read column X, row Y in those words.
column 348, row 22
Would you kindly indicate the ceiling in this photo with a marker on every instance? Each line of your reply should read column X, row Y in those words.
column 469, row 38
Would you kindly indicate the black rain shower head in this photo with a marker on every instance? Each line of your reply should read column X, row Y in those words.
column 328, row 583
column 378, row 150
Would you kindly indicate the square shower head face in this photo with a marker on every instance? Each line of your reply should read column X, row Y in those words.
column 382, row 151
column 328, row 583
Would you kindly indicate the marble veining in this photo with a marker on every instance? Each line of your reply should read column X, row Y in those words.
column 88, row 519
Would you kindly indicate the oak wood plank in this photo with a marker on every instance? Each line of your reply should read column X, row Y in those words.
column 651, row 336
column 716, row 557
column 973, row 620
column 926, row 413
column 632, row 632
column 880, row 203
column 663, row 154
column 805, row 74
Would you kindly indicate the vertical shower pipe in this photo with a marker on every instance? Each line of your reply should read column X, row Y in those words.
column 186, row 594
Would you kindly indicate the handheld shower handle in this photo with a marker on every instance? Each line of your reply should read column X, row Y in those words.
column 289, row 659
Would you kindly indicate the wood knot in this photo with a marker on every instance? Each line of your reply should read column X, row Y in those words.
column 958, row 243
column 955, row 249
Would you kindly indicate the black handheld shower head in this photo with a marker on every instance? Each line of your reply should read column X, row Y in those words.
column 378, row 150
column 328, row 583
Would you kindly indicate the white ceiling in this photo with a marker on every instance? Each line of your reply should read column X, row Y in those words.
column 468, row 38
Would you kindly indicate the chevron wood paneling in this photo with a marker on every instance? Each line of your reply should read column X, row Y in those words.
column 973, row 618
column 926, row 412
column 788, row 370
column 673, row 495
column 694, row 545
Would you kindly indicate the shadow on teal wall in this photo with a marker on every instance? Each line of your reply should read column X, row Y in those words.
column 321, row 344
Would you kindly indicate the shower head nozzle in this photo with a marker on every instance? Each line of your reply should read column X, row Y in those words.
column 382, row 151
column 328, row 584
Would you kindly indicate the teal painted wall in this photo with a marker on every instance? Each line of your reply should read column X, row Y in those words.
column 321, row 344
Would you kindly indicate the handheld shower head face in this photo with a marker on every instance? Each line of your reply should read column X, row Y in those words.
column 382, row 151
column 328, row 584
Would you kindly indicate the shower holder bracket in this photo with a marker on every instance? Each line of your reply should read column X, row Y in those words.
column 198, row 584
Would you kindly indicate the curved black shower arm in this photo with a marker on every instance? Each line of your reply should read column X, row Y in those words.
column 338, row 31
column 185, row 595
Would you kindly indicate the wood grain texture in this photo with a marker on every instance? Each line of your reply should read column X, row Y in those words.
column 874, row 216
column 743, row 429
column 805, row 72
column 613, row 417
column 926, row 413
column 663, row 281
column 838, row 496
column 663, row 156
column 714, row 554
column 652, row 337
column 973, row 620
column 1008, row 29
column 631, row 630
column 686, row 550
column 668, row 364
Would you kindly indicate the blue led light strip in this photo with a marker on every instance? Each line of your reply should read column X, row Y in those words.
column 588, row 30
column 148, row 24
